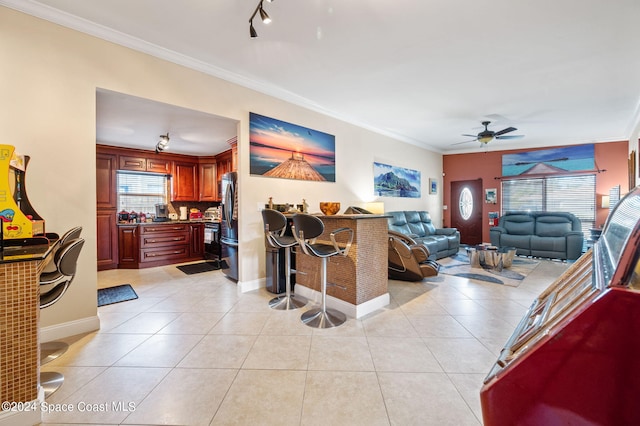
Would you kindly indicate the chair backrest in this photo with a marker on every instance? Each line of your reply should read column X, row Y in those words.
column 71, row 234
column 66, row 258
column 274, row 221
column 310, row 226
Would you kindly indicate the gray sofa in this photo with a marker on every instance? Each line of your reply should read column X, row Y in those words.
column 555, row 235
column 417, row 225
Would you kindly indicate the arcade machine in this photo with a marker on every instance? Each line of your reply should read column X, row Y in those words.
column 570, row 360
column 19, row 219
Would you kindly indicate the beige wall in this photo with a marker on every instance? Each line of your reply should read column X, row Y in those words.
column 48, row 80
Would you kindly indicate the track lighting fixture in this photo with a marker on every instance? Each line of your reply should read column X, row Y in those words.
column 263, row 15
column 163, row 143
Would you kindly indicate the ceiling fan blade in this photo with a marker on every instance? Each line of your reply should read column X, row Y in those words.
column 471, row 136
column 510, row 137
column 507, row 130
column 460, row 143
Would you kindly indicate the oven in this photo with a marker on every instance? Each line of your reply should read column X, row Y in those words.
column 212, row 239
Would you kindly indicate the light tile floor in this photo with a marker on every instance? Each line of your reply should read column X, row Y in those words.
column 192, row 351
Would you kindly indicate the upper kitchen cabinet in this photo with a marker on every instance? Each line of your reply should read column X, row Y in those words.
column 185, row 181
column 207, row 179
column 145, row 164
column 106, row 166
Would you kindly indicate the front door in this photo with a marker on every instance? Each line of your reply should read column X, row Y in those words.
column 466, row 210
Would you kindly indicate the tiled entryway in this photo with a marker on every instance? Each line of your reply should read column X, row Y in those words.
column 191, row 351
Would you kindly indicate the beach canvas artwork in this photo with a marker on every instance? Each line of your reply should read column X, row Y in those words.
column 550, row 161
column 283, row 150
column 392, row 181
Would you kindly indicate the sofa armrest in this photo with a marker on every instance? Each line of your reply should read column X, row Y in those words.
column 574, row 244
column 446, row 231
column 494, row 235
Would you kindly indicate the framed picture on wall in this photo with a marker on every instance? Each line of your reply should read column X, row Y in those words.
column 491, row 196
column 433, row 186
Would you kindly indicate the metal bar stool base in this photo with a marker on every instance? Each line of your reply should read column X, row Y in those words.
column 50, row 382
column 317, row 318
column 286, row 303
column 51, row 350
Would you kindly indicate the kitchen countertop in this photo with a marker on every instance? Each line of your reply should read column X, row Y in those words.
column 168, row 222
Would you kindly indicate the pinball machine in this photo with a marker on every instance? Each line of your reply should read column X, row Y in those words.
column 570, row 360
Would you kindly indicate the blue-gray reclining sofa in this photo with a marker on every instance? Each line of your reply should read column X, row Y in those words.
column 556, row 235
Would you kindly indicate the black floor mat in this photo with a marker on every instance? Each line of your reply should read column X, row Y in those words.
column 117, row 294
column 196, row 268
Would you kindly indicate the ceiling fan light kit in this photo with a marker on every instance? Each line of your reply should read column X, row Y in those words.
column 486, row 136
column 264, row 16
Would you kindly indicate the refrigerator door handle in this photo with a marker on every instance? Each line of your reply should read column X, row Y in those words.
column 228, row 205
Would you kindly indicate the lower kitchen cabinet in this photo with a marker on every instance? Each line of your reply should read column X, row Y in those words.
column 156, row 244
column 128, row 253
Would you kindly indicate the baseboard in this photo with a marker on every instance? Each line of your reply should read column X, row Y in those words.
column 68, row 329
column 246, row 286
column 350, row 310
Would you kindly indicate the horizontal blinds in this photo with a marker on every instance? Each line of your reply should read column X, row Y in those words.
column 522, row 195
column 140, row 192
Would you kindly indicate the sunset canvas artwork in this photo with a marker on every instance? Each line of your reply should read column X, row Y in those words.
column 288, row 151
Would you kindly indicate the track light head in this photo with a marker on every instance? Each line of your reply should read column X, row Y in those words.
column 263, row 15
column 163, row 143
column 252, row 31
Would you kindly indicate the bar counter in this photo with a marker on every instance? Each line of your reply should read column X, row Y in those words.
column 361, row 277
column 20, row 269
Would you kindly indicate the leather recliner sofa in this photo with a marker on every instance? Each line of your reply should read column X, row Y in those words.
column 417, row 225
column 556, row 235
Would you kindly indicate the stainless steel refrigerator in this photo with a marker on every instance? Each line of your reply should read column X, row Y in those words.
column 229, row 237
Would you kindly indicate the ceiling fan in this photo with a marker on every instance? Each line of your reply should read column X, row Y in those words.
column 486, row 136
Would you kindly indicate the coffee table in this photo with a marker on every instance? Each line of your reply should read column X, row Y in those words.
column 491, row 257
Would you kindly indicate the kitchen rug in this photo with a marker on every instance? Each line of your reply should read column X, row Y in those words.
column 458, row 265
column 117, row 294
column 196, row 268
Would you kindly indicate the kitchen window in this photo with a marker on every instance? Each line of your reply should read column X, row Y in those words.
column 140, row 192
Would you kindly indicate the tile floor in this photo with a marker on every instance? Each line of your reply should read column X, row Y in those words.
column 191, row 351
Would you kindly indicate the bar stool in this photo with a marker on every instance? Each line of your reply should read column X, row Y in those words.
column 66, row 260
column 52, row 350
column 275, row 225
column 306, row 229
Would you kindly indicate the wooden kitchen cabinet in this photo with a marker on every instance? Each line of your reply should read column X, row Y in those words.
column 185, row 181
column 136, row 164
column 107, row 239
column 147, row 163
column 224, row 164
column 106, row 166
column 128, row 252
column 106, row 205
column 196, row 240
column 208, row 187
column 160, row 243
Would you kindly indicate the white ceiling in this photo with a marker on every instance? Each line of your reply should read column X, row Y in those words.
column 426, row 72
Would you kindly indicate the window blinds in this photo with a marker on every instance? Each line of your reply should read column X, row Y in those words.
column 140, row 192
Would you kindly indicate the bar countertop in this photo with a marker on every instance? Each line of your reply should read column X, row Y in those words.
column 25, row 253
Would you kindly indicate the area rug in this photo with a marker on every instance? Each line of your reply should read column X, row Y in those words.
column 459, row 266
column 117, row 294
column 196, row 268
